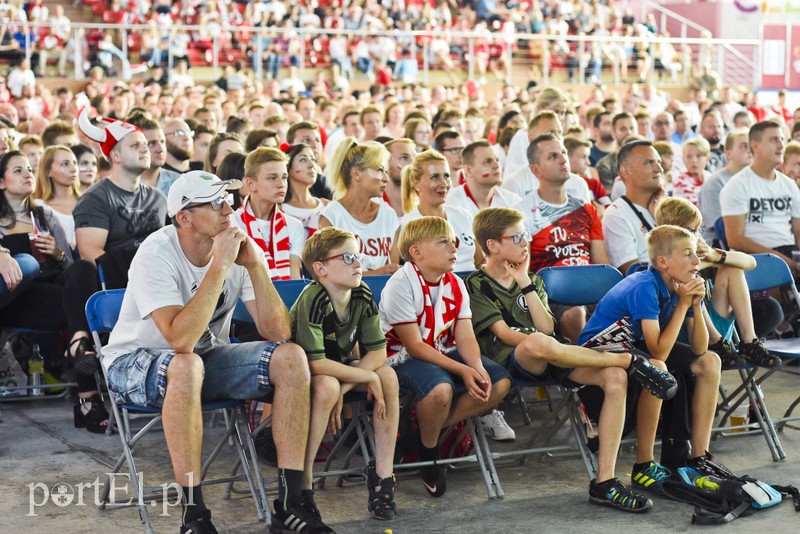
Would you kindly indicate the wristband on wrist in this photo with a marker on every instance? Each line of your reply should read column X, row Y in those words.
column 723, row 255
column 530, row 288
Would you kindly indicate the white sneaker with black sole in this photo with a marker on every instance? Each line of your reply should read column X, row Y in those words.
column 495, row 426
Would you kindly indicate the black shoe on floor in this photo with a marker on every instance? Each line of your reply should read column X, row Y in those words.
column 297, row 517
column 434, row 478
column 199, row 525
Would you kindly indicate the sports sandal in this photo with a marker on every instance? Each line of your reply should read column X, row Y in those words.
column 729, row 357
column 381, row 502
column 660, row 383
column 758, row 355
column 615, row 494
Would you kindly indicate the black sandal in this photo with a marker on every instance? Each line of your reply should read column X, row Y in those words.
column 381, row 502
column 94, row 418
column 756, row 353
column 86, row 362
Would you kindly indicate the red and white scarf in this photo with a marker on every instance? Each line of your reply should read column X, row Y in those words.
column 277, row 253
column 437, row 319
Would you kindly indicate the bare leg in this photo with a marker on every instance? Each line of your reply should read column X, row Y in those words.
column 386, row 429
column 182, row 417
column 432, row 411
column 538, row 349
column 572, row 322
column 614, row 382
column 731, row 293
column 288, row 372
column 466, row 406
column 707, row 370
column 648, row 410
column 324, row 394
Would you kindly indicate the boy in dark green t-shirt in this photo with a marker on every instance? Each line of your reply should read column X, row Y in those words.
column 514, row 325
column 335, row 320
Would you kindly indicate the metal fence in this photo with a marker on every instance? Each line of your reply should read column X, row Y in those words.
column 516, row 56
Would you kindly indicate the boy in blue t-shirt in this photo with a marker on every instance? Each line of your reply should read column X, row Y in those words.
column 647, row 310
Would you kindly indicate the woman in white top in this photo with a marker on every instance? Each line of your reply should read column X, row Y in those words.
column 394, row 121
column 57, row 186
column 425, row 185
column 359, row 175
column 299, row 202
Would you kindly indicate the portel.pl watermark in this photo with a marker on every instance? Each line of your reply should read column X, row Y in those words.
column 120, row 492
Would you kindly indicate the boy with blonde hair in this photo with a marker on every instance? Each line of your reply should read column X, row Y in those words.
column 688, row 183
column 730, row 300
column 426, row 317
column 335, row 321
column 647, row 310
column 514, row 324
column 279, row 236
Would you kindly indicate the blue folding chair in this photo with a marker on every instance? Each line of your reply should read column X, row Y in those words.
column 102, row 312
column 719, row 229
column 636, row 267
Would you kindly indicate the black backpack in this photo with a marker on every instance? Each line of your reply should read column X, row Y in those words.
column 721, row 499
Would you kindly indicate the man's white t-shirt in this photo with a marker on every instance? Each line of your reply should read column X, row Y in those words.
column 768, row 206
column 523, row 182
column 625, row 235
column 501, row 198
column 460, row 220
column 517, row 156
column 160, row 276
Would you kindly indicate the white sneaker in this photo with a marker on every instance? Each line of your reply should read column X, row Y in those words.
column 495, row 426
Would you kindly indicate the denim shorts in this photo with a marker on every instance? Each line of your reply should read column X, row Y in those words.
column 419, row 378
column 235, row 371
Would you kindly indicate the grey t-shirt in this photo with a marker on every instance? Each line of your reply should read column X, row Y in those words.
column 128, row 216
column 709, row 201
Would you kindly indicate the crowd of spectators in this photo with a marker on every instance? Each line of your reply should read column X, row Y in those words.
column 275, row 34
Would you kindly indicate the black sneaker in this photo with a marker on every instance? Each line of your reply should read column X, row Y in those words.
column 200, row 525
column 296, row 518
column 709, row 465
column 756, row 353
column 660, row 383
column 615, row 494
column 309, row 504
column 434, row 478
column 724, row 350
column 265, row 447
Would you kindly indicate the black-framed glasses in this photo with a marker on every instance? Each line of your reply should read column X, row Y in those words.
column 517, row 238
column 215, row 204
column 348, row 258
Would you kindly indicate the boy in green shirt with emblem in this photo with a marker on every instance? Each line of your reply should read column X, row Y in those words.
column 514, row 325
column 335, row 320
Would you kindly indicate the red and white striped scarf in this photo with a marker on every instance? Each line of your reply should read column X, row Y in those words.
column 437, row 320
column 277, row 253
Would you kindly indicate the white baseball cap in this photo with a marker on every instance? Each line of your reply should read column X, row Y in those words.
column 197, row 187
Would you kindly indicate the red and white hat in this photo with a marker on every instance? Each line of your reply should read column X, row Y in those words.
column 107, row 137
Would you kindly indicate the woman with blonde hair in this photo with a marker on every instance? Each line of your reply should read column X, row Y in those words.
column 425, row 184
column 57, row 185
column 359, row 174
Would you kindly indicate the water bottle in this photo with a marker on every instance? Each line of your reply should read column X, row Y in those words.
column 35, row 370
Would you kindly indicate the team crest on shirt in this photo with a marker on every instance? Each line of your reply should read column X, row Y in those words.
column 522, row 303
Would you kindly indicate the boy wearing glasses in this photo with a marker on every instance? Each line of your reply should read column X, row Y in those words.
column 335, row 320
column 170, row 346
column 514, row 324
column 425, row 314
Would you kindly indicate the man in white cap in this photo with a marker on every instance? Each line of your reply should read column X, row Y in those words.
column 170, row 347
column 113, row 216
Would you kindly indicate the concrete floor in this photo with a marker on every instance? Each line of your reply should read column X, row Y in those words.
column 38, row 444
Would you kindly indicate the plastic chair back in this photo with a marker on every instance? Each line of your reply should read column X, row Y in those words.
column 719, row 229
column 579, row 284
column 102, row 310
column 636, row 267
column 770, row 271
column 376, row 285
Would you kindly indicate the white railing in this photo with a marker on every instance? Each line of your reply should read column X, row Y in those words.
column 522, row 51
